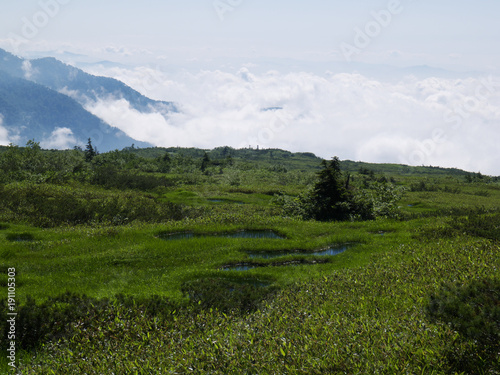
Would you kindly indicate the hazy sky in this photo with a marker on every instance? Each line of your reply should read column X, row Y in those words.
column 447, row 33
column 223, row 61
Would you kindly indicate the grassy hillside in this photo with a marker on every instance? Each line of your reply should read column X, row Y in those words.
column 163, row 261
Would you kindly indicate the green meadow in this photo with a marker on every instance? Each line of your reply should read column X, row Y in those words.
column 180, row 261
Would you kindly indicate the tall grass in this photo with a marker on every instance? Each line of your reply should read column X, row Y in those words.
column 366, row 320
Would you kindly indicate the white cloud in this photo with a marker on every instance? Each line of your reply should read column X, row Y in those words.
column 74, row 94
column 28, row 69
column 4, row 134
column 61, row 139
column 122, row 51
column 434, row 121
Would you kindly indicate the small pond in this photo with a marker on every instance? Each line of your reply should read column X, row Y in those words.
column 240, row 267
column 20, row 237
column 332, row 250
column 249, row 266
column 245, row 266
column 253, row 234
column 219, row 200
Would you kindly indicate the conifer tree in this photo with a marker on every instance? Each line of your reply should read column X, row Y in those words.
column 330, row 197
column 90, row 151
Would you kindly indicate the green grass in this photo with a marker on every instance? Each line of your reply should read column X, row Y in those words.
column 104, row 261
column 365, row 320
column 359, row 312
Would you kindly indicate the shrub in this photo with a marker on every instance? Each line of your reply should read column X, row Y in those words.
column 20, row 237
column 487, row 226
column 291, row 206
column 152, row 306
column 473, row 310
column 41, row 205
column 111, row 177
column 227, row 295
column 36, row 323
column 58, row 316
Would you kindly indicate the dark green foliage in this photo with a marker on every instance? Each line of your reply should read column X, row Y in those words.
column 36, row 323
column 227, row 295
column 333, row 199
column 423, row 186
column 473, row 310
column 164, row 163
column 330, row 197
column 90, row 152
column 59, row 316
column 110, row 176
column 23, row 163
column 476, row 177
column 293, row 206
column 151, row 306
column 487, row 226
column 476, row 222
column 205, row 162
column 367, row 172
column 36, row 165
column 20, row 237
column 41, row 205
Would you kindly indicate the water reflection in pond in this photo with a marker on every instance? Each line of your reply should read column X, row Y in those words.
column 253, row 234
column 224, row 201
column 20, row 237
column 243, row 267
column 249, row 266
column 333, row 250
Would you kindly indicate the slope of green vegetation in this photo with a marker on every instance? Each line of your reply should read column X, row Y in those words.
column 164, row 261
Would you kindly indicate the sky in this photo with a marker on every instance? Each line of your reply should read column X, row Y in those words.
column 405, row 81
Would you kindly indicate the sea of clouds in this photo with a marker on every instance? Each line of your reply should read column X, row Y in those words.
column 432, row 121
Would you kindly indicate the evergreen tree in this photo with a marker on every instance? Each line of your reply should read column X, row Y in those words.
column 90, row 151
column 330, row 197
column 164, row 163
column 166, row 157
column 205, row 162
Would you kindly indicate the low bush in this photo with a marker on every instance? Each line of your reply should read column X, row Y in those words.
column 48, row 205
column 20, row 237
column 36, row 323
column 151, row 306
column 487, row 226
column 58, row 317
column 473, row 310
column 227, row 295
column 111, row 177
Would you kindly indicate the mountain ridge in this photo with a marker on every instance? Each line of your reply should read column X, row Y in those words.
column 59, row 76
column 33, row 111
column 40, row 96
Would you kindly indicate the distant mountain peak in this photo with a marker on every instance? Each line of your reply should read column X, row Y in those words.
column 41, row 96
column 58, row 76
